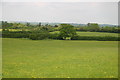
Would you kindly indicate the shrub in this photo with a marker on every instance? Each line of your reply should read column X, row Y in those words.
column 55, row 36
column 45, row 35
column 38, row 36
column 99, row 38
column 16, row 35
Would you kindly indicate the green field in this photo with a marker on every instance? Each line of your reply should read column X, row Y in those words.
column 94, row 33
column 23, row 58
column 82, row 33
column 0, row 58
column 97, row 34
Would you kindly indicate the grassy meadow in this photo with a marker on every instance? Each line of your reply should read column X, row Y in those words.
column 93, row 33
column 0, row 58
column 80, row 33
column 24, row 58
column 97, row 34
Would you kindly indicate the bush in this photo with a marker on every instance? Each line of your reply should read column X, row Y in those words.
column 38, row 36
column 9, row 34
column 45, row 35
column 99, row 38
column 55, row 36
column 25, row 34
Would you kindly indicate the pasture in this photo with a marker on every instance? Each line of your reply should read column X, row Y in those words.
column 93, row 33
column 0, row 58
column 80, row 33
column 24, row 58
column 97, row 34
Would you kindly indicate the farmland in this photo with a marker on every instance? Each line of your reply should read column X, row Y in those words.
column 0, row 58
column 81, row 33
column 93, row 33
column 24, row 58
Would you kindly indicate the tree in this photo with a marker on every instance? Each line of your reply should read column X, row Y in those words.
column 56, row 26
column 28, row 24
column 39, row 24
column 4, row 24
column 39, row 34
column 67, row 30
column 93, row 27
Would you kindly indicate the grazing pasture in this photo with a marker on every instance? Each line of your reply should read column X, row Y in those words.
column 24, row 58
column 97, row 34
column 94, row 33
column 0, row 58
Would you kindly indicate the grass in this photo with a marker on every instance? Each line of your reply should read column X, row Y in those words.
column 23, row 58
column 94, row 33
column 0, row 58
column 81, row 33
column 97, row 34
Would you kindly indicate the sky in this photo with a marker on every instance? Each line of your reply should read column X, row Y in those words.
column 60, row 0
column 68, row 11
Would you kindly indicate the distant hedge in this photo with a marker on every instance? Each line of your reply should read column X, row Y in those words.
column 98, row 38
column 56, row 36
column 39, row 36
column 18, row 34
column 25, row 34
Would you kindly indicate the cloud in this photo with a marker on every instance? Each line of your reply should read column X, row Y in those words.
column 79, row 12
column 40, row 4
column 91, row 0
column 60, row 0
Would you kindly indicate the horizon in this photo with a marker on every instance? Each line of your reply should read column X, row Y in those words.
column 59, row 22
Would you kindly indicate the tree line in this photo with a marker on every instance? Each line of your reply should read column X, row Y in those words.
column 92, row 27
column 66, row 31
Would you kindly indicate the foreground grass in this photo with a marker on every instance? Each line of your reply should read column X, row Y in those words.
column 59, row 59
column 0, row 58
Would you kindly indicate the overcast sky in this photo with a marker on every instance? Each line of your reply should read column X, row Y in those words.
column 74, row 12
